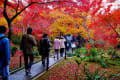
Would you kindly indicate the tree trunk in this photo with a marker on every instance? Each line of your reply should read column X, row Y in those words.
column 85, row 26
column 91, row 40
column 10, row 30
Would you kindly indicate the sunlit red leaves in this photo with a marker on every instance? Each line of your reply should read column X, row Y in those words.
column 111, row 1
column 67, row 69
column 105, row 27
column 106, row 35
column 15, row 62
column 108, row 9
column 87, row 54
column 17, row 30
column 18, row 53
column 88, row 45
column 1, row 2
column 87, row 6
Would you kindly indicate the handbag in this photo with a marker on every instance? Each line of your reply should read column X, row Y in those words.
column 73, row 45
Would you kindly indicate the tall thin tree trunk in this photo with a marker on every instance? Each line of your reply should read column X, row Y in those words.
column 91, row 40
column 85, row 26
column 10, row 30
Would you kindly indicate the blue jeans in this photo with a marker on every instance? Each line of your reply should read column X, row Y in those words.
column 57, row 52
column 45, row 61
column 28, row 65
column 68, row 46
column 61, row 52
column 4, row 72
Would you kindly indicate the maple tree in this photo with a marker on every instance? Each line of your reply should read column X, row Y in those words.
column 74, row 15
column 26, row 6
column 106, row 27
column 66, row 23
column 85, row 9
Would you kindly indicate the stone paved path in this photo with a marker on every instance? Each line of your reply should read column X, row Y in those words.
column 36, row 69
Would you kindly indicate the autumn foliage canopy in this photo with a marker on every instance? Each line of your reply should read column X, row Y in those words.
column 95, row 19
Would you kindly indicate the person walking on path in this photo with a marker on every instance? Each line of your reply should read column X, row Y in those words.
column 79, row 40
column 62, row 46
column 73, row 45
column 4, row 54
column 69, row 39
column 27, row 43
column 57, row 46
column 44, row 49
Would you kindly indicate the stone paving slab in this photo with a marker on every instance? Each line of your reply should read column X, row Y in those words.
column 36, row 69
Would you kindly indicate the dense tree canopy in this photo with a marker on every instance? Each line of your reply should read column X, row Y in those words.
column 91, row 17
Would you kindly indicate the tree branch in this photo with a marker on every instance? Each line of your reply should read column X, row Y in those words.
column 85, row 26
column 113, row 28
column 34, row 3
column 4, row 11
column 17, row 6
column 8, row 4
column 31, row 17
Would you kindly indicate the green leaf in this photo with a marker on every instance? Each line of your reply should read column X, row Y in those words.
column 77, row 62
column 97, row 77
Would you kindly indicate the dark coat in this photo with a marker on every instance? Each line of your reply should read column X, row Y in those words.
column 28, row 41
column 44, row 46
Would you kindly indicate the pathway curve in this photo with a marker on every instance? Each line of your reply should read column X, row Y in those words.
column 36, row 69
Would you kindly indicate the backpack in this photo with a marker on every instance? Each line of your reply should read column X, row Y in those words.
column 1, row 54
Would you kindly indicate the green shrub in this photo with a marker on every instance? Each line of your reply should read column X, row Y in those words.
column 94, row 75
column 104, row 65
column 70, row 54
column 101, row 51
column 52, row 51
column 98, row 60
column 118, row 46
column 111, row 62
column 81, row 51
column 36, row 53
column 112, row 52
column 93, row 52
column 77, row 52
column 13, row 50
column 16, row 39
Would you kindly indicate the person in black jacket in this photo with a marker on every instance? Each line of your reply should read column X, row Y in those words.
column 44, row 49
column 79, row 40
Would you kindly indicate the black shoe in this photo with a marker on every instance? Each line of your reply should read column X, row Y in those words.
column 47, row 68
column 43, row 63
column 28, row 72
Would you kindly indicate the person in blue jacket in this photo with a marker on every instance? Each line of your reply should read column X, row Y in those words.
column 69, row 39
column 4, row 54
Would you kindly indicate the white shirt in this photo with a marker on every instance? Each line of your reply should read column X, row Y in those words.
column 62, row 43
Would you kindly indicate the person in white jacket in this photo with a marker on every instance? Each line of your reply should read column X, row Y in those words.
column 62, row 46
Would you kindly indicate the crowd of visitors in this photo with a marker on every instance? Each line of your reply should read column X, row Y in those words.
column 61, row 43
